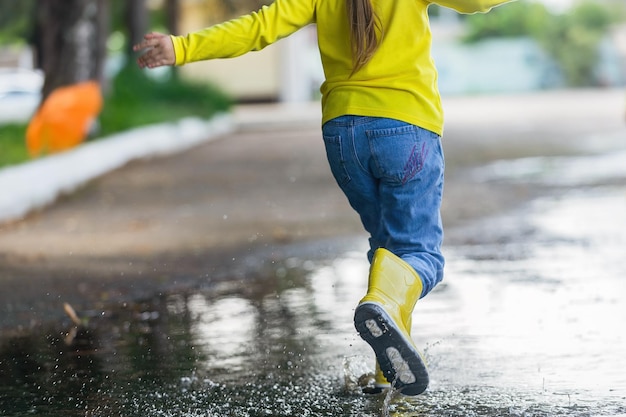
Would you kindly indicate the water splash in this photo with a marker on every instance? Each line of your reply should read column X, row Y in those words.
column 358, row 377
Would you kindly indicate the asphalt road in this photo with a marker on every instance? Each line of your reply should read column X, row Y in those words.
column 266, row 187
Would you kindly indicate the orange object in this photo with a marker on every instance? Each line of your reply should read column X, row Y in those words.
column 64, row 119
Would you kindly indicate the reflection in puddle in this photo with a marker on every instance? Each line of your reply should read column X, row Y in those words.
column 562, row 171
column 223, row 329
column 529, row 322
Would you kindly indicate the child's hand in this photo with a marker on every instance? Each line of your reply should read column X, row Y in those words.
column 159, row 51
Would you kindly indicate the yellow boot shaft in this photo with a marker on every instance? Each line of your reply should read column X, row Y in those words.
column 394, row 285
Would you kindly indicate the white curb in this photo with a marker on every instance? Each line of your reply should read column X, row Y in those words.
column 33, row 185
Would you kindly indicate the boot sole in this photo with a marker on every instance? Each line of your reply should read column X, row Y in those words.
column 399, row 360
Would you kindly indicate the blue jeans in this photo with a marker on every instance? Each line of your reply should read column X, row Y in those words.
column 392, row 174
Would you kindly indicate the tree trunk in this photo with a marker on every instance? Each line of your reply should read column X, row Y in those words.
column 71, row 48
column 103, row 24
column 136, row 21
column 172, row 13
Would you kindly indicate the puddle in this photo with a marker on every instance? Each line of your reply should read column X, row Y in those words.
column 528, row 322
column 558, row 171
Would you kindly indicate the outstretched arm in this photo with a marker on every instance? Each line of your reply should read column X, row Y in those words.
column 159, row 50
column 250, row 32
column 470, row 6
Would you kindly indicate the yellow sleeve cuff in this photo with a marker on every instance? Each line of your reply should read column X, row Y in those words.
column 179, row 49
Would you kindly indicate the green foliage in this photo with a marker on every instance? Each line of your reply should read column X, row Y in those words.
column 591, row 16
column 12, row 144
column 510, row 20
column 16, row 19
column 137, row 100
column 571, row 39
column 134, row 100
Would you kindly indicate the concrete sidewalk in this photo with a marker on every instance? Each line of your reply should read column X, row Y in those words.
column 34, row 185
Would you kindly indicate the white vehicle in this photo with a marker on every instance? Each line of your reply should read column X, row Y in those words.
column 20, row 94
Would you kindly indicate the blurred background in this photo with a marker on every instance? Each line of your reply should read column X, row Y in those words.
column 221, row 281
column 47, row 44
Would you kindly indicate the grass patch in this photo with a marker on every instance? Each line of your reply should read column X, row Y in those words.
column 134, row 100
column 138, row 100
column 12, row 144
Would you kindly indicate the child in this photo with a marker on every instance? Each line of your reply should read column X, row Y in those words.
column 381, row 124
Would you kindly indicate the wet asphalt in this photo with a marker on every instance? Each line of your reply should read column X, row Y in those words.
column 533, row 207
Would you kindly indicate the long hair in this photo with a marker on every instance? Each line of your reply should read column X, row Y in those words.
column 364, row 25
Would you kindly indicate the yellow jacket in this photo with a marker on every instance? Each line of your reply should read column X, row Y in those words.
column 400, row 81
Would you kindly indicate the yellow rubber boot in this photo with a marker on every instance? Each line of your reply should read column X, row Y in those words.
column 380, row 382
column 383, row 319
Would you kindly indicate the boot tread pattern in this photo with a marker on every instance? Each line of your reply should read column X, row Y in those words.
column 403, row 371
column 399, row 360
column 373, row 328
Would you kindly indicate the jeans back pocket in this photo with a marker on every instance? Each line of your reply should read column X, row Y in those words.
column 336, row 160
column 399, row 153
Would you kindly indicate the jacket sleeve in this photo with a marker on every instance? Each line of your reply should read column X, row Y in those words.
column 470, row 6
column 251, row 32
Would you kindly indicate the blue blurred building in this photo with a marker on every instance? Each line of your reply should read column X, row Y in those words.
column 504, row 65
column 494, row 66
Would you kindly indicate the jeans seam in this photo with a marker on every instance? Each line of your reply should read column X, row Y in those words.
column 355, row 154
